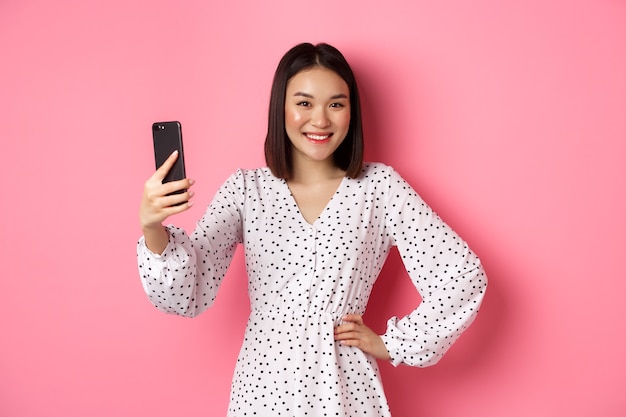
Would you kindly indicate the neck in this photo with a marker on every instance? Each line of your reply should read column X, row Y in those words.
column 309, row 171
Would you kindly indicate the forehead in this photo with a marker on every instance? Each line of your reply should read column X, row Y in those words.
column 317, row 81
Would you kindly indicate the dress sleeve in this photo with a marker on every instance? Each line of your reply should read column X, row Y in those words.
column 446, row 273
column 185, row 278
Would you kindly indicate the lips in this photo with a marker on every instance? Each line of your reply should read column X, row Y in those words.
column 318, row 137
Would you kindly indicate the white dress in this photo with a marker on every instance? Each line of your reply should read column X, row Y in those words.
column 302, row 278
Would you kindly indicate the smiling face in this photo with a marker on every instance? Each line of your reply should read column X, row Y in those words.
column 317, row 114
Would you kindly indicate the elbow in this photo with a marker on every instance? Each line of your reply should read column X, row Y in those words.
column 187, row 310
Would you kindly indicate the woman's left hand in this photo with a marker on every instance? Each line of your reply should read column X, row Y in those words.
column 353, row 332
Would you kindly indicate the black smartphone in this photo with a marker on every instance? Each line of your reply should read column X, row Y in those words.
column 167, row 138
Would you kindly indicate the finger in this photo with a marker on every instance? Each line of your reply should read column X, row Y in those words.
column 347, row 336
column 177, row 208
column 351, row 342
column 353, row 318
column 162, row 171
column 178, row 199
column 176, row 186
column 346, row 327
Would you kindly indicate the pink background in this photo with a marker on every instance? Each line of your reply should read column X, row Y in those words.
column 507, row 116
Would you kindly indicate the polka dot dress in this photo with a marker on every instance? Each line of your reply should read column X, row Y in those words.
column 303, row 278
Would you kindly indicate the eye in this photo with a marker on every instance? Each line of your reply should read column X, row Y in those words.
column 337, row 105
column 303, row 104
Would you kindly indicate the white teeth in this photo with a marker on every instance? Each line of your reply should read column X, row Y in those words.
column 317, row 137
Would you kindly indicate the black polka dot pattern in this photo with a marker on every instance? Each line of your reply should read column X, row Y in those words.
column 302, row 278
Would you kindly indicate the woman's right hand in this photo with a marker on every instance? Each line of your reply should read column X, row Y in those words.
column 157, row 205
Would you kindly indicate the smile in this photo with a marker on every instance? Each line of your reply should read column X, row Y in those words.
column 317, row 137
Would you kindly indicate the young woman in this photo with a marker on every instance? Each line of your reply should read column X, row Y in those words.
column 316, row 225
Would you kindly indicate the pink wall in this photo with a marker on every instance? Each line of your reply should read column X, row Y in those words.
column 508, row 117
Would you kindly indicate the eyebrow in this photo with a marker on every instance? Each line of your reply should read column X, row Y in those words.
column 307, row 95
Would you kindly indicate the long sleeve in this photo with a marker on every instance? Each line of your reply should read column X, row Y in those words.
column 446, row 273
column 185, row 278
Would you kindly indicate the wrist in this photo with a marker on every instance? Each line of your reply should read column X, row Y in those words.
column 152, row 228
column 156, row 238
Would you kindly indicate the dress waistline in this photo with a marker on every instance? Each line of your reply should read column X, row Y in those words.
column 327, row 316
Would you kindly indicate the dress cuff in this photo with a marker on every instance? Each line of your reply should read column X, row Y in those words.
column 392, row 345
column 166, row 252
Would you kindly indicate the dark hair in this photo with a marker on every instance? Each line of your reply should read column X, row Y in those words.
column 349, row 155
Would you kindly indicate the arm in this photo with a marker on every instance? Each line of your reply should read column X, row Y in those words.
column 447, row 274
column 185, row 276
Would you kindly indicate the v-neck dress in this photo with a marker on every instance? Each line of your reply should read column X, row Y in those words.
column 303, row 278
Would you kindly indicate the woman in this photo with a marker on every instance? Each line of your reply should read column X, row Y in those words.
column 317, row 225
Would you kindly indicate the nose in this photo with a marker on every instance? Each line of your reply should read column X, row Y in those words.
column 319, row 118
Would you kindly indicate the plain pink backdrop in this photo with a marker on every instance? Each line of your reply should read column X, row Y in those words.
column 507, row 116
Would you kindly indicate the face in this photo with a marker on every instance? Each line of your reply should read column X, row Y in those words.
column 317, row 113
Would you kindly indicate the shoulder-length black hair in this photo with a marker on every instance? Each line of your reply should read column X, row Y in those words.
column 349, row 155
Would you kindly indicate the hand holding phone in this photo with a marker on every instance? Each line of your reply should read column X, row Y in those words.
column 160, row 199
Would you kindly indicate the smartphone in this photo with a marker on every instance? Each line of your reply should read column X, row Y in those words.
column 167, row 138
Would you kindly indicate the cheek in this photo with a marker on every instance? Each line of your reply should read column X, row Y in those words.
column 292, row 117
column 343, row 120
